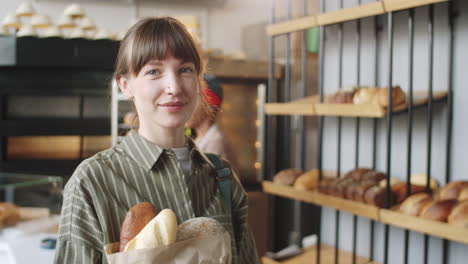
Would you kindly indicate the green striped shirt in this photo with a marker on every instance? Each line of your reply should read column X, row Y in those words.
column 104, row 187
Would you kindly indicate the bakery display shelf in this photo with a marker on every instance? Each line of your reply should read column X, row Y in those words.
column 304, row 106
column 314, row 197
column 345, row 14
column 310, row 106
column 426, row 226
column 327, row 255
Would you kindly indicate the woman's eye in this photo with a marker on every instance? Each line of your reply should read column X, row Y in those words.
column 152, row 72
column 186, row 70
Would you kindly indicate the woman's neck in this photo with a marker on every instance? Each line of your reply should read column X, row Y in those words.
column 163, row 137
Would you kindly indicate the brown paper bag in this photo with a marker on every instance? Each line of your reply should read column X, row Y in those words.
column 205, row 249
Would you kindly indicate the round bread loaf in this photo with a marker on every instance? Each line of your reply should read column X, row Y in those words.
column 307, row 181
column 463, row 194
column 287, row 176
column 459, row 215
column 399, row 189
column 415, row 203
column 9, row 214
column 438, row 210
column 451, row 190
column 421, row 179
column 198, row 226
column 398, row 96
column 135, row 220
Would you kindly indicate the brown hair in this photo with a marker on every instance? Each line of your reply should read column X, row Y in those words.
column 153, row 38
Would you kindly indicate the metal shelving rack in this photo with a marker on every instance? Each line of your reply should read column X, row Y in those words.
column 380, row 10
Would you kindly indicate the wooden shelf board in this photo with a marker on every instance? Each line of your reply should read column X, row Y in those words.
column 352, row 13
column 395, row 5
column 327, row 255
column 346, row 14
column 303, row 106
column 425, row 226
column 310, row 106
column 288, row 192
column 353, row 207
column 292, row 25
column 317, row 198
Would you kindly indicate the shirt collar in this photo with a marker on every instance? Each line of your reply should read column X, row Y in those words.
column 146, row 153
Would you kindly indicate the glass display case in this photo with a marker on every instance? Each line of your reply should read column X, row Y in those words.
column 31, row 190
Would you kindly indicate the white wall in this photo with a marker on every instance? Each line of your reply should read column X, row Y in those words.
column 221, row 26
column 399, row 138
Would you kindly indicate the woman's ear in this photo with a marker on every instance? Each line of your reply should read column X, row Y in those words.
column 124, row 86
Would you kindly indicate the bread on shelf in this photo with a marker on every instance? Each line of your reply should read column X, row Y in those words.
column 287, row 176
column 398, row 96
column 438, row 210
column 463, row 195
column 414, row 204
column 459, row 215
column 367, row 95
column 399, row 189
column 421, row 179
column 393, row 180
column 376, row 195
column 342, row 96
column 452, row 190
column 9, row 214
column 307, row 181
column 326, row 184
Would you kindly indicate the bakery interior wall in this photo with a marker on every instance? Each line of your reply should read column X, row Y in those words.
column 399, row 137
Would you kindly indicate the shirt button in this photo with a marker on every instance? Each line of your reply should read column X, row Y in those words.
column 119, row 150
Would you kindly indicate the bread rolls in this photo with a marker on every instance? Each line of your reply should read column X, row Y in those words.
column 198, row 226
column 342, row 96
column 9, row 214
column 398, row 96
column 399, row 189
column 307, row 181
column 451, row 190
column 438, row 210
column 463, row 195
column 376, row 196
column 135, row 220
column 459, row 215
column 287, row 176
column 421, row 180
column 366, row 95
column 414, row 204
column 160, row 231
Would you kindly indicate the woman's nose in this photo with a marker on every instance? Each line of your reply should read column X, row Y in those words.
column 172, row 84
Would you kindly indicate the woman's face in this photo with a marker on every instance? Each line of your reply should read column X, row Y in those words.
column 164, row 93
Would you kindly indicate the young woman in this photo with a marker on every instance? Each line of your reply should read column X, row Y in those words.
column 158, row 67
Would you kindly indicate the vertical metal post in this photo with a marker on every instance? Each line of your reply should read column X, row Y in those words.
column 339, row 121
column 374, row 129
column 410, row 119
column 389, row 128
column 451, row 17
column 429, row 117
column 270, row 122
column 358, row 126
column 321, row 122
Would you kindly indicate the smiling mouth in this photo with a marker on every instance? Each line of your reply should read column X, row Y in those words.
column 172, row 107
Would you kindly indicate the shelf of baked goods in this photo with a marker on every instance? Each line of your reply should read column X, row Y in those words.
column 327, row 255
column 345, row 14
column 362, row 192
column 361, row 102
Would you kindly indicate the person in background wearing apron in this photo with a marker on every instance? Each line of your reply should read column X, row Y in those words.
column 209, row 137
